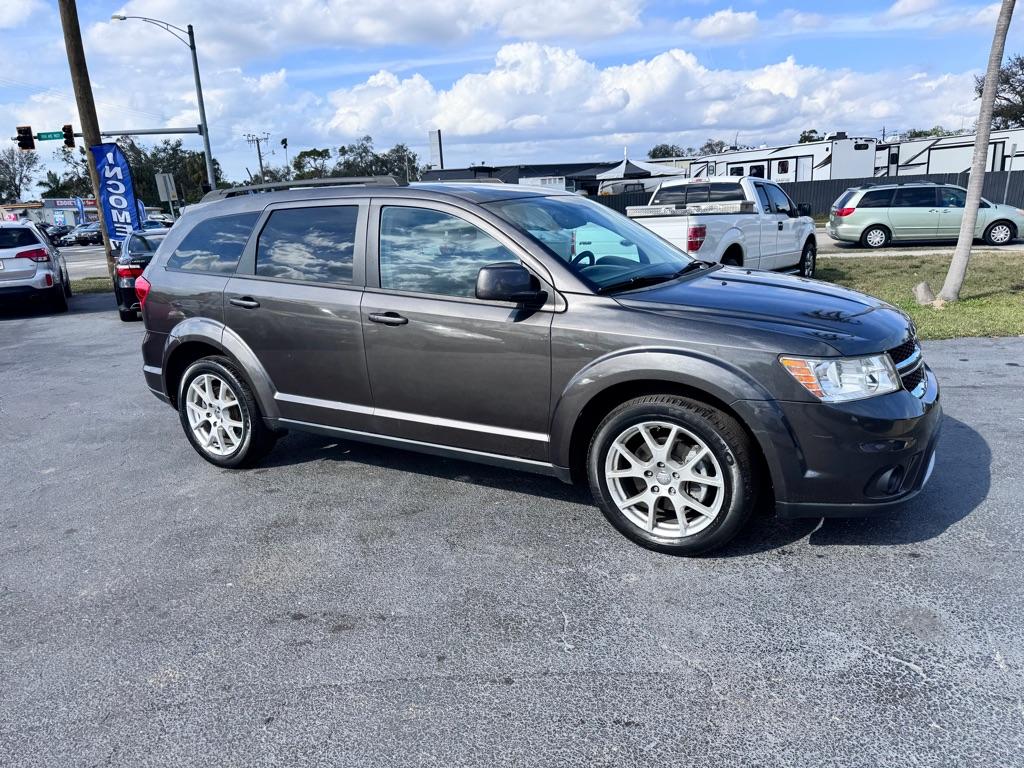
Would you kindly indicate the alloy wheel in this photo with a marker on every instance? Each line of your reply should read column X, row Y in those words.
column 664, row 479
column 214, row 415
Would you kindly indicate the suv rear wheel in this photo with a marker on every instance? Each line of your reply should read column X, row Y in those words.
column 220, row 415
column 875, row 237
column 672, row 474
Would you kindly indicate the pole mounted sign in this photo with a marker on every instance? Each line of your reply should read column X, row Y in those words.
column 117, row 192
column 49, row 135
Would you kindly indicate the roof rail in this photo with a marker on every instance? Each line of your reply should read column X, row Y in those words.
column 274, row 186
column 482, row 180
column 898, row 184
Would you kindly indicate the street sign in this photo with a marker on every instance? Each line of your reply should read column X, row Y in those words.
column 50, row 135
column 165, row 186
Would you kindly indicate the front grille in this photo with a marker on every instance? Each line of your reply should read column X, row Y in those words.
column 910, row 366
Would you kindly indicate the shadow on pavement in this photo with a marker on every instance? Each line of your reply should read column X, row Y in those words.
column 960, row 483
column 86, row 303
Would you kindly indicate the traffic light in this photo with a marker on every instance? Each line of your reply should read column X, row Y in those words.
column 284, row 143
column 69, row 136
column 25, row 139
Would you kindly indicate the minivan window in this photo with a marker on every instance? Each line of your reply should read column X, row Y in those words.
column 951, row 197
column 914, row 197
column 214, row 245
column 17, row 237
column 876, row 198
column 842, row 199
column 315, row 244
column 427, row 251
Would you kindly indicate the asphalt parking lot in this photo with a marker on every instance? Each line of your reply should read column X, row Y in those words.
column 350, row 605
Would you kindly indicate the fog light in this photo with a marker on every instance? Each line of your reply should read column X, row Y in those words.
column 886, row 446
column 885, row 483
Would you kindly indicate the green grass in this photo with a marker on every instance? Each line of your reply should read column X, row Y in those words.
column 92, row 285
column 991, row 302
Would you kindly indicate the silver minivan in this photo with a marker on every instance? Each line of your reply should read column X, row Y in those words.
column 874, row 216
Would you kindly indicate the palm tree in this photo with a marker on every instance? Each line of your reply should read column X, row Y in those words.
column 55, row 186
column 961, row 256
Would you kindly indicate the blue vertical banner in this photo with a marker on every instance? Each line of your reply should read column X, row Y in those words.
column 117, row 191
column 79, row 211
column 142, row 211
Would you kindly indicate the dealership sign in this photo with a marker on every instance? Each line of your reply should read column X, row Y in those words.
column 117, row 192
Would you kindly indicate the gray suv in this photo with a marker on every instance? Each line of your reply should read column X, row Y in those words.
column 440, row 318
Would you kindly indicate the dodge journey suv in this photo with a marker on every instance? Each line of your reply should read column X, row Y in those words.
column 439, row 318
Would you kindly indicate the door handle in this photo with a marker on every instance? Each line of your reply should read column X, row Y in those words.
column 246, row 302
column 780, row 226
column 388, row 318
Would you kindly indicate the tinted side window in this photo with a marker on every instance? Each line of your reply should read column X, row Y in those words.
column 914, row 197
column 762, row 195
column 951, row 197
column 841, row 200
column 721, row 193
column 877, row 198
column 433, row 252
column 780, row 200
column 214, row 245
column 315, row 244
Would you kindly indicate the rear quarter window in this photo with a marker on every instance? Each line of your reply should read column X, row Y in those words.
column 214, row 244
column 17, row 237
column 843, row 199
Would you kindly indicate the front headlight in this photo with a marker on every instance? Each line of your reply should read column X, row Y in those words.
column 840, row 379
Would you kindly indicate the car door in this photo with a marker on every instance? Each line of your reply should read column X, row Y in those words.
column 914, row 214
column 952, row 202
column 294, row 301
column 770, row 221
column 787, row 244
column 446, row 368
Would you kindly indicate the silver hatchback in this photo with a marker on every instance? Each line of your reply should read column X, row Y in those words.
column 31, row 267
column 874, row 216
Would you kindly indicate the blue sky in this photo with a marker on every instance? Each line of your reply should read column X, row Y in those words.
column 508, row 80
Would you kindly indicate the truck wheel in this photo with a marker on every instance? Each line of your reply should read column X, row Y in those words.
column 672, row 474
column 875, row 237
column 808, row 259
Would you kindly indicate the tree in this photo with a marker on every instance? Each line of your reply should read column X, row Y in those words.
column 187, row 166
column 809, row 136
column 666, row 150
column 76, row 171
column 962, row 255
column 56, row 185
column 1008, row 111
column 18, row 168
column 924, row 133
column 312, row 164
column 712, row 147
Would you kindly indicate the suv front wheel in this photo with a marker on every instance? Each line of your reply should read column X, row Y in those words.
column 220, row 415
column 672, row 474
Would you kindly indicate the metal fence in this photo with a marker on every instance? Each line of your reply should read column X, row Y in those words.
column 821, row 194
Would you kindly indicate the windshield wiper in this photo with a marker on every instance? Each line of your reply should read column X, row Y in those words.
column 638, row 281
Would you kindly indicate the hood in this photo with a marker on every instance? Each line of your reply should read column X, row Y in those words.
column 852, row 323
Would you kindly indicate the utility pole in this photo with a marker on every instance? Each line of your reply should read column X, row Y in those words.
column 255, row 140
column 86, row 108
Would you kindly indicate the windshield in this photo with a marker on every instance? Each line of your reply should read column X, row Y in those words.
column 604, row 248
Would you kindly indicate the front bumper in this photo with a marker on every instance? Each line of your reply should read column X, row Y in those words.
column 852, row 459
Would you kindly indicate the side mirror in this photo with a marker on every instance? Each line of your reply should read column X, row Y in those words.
column 508, row 281
column 803, row 209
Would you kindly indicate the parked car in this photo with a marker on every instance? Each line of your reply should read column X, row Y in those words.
column 88, row 234
column 57, row 231
column 31, row 267
column 136, row 251
column 70, row 237
column 436, row 318
column 740, row 221
column 876, row 215
column 154, row 224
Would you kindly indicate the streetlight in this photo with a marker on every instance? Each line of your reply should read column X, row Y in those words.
column 191, row 43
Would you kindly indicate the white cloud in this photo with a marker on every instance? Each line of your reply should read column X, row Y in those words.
column 535, row 94
column 910, row 7
column 14, row 13
column 727, row 25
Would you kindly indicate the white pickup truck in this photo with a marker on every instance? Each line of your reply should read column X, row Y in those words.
column 743, row 221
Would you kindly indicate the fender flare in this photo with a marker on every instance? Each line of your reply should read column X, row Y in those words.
column 217, row 335
column 689, row 369
column 733, row 236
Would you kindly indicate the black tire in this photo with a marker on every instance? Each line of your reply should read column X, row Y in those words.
column 724, row 437
column 732, row 260
column 994, row 233
column 808, row 259
column 256, row 440
column 871, row 234
column 127, row 315
column 58, row 299
column 67, row 286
